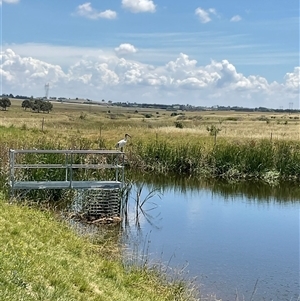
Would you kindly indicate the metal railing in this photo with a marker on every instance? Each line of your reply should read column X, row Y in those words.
column 68, row 160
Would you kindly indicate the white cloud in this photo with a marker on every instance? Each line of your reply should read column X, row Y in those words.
column 86, row 10
column 26, row 72
column 125, row 49
column 178, row 81
column 235, row 18
column 108, row 14
column 64, row 56
column 139, row 6
column 292, row 80
column 9, row 1
column 212, row 11
column 205, row 15
column 183, row 63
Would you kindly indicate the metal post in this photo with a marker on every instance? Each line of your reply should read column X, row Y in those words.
column 117, row 168
column 12, row 172
column 66, row 164
column 123, row 162
column 71, row 170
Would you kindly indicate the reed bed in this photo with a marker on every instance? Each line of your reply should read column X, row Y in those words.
column 262, row 159
column 243, row 159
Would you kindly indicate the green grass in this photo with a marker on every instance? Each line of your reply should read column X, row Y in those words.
column 42, row 259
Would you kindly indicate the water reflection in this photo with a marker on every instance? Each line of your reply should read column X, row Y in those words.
column 253, row 190
column 237, row 237
column 234, row 238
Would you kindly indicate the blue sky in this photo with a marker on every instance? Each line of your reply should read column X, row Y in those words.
column 204, row 53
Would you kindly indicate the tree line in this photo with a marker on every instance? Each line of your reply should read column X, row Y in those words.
column 35, row 105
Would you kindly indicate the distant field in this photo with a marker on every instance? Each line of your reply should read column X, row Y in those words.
column 112, row 122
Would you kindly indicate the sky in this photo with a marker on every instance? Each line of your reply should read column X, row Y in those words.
column 198, row 52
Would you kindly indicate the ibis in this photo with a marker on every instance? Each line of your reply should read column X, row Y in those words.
column 122, row 142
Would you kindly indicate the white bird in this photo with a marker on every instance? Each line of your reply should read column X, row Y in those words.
column 122, row 142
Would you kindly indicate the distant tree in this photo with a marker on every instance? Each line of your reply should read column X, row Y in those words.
column 5, row 103
column 36, row 105
column 39, row 105
column 46, row 106
column 27, row 104
column 21, row 97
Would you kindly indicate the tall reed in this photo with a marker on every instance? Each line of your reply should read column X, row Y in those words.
column 234, row 160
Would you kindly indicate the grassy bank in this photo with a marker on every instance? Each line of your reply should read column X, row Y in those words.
column 42, row 259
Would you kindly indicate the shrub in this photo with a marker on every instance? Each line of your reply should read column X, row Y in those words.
column 5, row 103
column 82, row 116
column 213, row 130
column 232, row 118
column 178, row 124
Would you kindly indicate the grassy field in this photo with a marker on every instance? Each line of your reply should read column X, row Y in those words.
column 245, row 145
column 111, row 122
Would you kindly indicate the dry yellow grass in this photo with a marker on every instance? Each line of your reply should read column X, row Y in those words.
column 246, row 129
column 111, row 123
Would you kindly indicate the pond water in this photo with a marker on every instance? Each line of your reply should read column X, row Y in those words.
column 239, row 241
